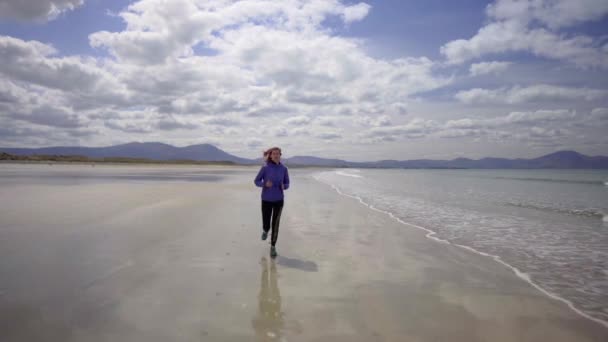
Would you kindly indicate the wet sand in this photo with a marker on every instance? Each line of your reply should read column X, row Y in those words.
column 132, row 259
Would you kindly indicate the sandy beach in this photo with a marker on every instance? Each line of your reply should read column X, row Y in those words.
column 143, row 259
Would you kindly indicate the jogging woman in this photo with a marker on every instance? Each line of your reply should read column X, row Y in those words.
column 273, row 178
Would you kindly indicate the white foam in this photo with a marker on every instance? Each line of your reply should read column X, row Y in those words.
column 432, row 235
column 341, row 173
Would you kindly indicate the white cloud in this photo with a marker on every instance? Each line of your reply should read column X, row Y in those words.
column 512, row 29
column 562, row 117
column 484, row 68
column 600, row 113
column 170, row 124
column 299, row 120
column 465, row 123
column 460, row 133
column 383, row 120
column 36, row 64
column 271, row 61
column 415, row 128
column 221, row 121
column 158, row 29
column 535, row 93
column 253, row 142
column 355, row 12
column 547, row 128
column 329, row 135
column 553, row 13
column 538, row 117
column 36, row 10
column 327, row 121
column 50, row 116
column 368, row 121
column 128, row 127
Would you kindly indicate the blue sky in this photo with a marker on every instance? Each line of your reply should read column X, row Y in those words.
column 355, row 80
column 69, row 33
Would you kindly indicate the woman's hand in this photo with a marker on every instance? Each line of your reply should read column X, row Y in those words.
column 268, row 184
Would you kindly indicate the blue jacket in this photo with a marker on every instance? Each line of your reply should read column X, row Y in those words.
column 278, row 175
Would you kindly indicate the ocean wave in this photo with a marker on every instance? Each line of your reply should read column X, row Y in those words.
column 586, row 212
column 554, row 180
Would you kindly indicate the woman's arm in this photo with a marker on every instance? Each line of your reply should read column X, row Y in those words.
column 259, row 179
column 286, row 180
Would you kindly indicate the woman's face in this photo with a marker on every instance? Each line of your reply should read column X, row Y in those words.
column 275, row 155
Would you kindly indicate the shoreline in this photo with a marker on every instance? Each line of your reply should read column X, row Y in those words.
column 431, row 235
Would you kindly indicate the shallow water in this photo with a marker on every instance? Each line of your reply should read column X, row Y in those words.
column 549, row 224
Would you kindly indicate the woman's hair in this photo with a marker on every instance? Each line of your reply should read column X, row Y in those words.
column 268, row 153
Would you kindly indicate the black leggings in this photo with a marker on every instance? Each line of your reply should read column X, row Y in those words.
column 272, row 209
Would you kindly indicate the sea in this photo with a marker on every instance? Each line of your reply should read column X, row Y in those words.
column 550, row 227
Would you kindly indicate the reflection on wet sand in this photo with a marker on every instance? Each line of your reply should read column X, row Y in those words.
column 269, row 321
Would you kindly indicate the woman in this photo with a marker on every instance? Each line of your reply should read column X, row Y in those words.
column 273, row 178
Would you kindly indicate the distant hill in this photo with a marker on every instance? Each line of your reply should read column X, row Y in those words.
column 557, row 160
column 208, row 152
column 148, row 150
column 316, row 161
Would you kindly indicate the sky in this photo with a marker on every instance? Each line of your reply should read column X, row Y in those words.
column 360, row 81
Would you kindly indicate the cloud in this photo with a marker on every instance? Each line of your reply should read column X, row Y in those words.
column 383, row 120
column 128, row 127
column 512, row 28
column 461, row 133
column 541, row 127
column 16, row 133
column 368, row 121
column 315, row 98
column 300, row 120
column 535, row 93
column 157, row 29
column 465, row 123
column 280, row 131
column 484, row 68
column 221, row 121
column 300, row 131
column 600, row 113
column 50, row 116
column 326, row 121
column 415, row 128
column 253, row 142
column 172, row 124
column 539, row 116
column 36, row 10
column 35, row 64
column 541, row 132
column 329, row 135
column 20, row 133
column 552, row 13
column 10, row 93
column 355, row 12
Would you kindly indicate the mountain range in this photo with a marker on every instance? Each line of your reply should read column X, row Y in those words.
column 208, row 152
